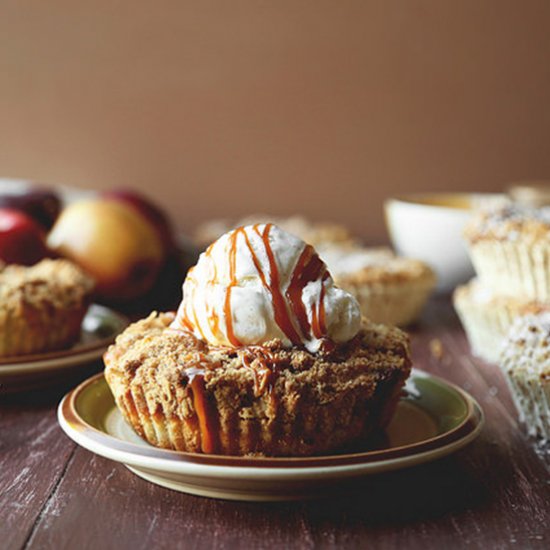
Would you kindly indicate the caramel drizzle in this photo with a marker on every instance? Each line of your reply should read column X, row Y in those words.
column 212, row 316
column 183, row 321
column 232, row 283
column 262, row 364
column 206, row 414
column 181, row 318
column 309, row 267
column 318, row 314
column 280, row 310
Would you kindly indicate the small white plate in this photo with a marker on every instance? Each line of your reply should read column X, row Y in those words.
column 99, row 328
column 435, row 419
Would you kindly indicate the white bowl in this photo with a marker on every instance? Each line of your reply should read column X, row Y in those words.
column 429, row 227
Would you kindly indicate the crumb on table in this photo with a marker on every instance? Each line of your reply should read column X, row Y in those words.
column 436, row 349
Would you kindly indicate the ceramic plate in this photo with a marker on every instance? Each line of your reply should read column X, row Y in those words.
column 433, row 420
column 99, row 329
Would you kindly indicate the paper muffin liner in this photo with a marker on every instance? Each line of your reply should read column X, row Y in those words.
column 266, row 428
column 525, row 362
column 33, row 330
column 487, row 323
column 487, row 317
column 391, row 303
column 513, row 268
column 531, row 395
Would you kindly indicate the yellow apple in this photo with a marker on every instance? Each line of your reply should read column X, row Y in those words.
column 113, row 242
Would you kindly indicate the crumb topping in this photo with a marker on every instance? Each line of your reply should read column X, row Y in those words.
column 56, row 282
column 476, row 293
column 151, row 350
column 354, row 265
column 510, row 223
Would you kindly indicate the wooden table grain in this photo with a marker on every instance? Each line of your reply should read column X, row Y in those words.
column 493, row 494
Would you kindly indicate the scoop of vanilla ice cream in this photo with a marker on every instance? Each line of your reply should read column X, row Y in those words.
column 258, row 283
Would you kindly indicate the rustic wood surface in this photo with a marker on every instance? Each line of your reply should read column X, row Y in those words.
column 493, row 494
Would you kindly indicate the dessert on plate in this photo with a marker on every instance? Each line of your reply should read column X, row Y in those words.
column 510, row 250
column 525, row 361
column 42, row 306
column 390, row 289
column 265, row 356
column 313, row 233
column 487, row 316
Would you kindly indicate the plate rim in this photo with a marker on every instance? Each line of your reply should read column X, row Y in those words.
column 21, row 364
column 166, row 460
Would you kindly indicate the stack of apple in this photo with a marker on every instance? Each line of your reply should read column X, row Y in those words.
column 120, row 238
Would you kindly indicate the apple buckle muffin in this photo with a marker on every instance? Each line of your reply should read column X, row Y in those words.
column 510, row 250
column 390, row 289
column 42, row 306
column 525, row 362
column 265, row 356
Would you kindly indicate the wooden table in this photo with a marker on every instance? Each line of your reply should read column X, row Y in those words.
column 493, row 494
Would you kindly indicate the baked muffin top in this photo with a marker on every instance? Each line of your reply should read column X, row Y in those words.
column 156, row 354
column 527, row 347
column 475, row 292
column 57, row 282
column 510, row 223
column 361, row 265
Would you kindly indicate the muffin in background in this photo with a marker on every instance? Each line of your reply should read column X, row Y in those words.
column 42, row 306
column 313, row 233
column 510, row 250
column 525, row 361
column 487, row 316
column 390, row 289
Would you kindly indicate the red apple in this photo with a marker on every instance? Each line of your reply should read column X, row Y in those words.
column 148, row 209
column 42, row 205
column 113, row 242
column 22, row 240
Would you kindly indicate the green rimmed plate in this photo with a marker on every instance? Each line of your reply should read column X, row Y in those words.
column 100, row 327
column 435, row 419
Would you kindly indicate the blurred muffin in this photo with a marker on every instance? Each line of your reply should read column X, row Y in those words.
column 525, row 361
column 265, row 356
column 510, row 250
column 487, row 317
column 532, row 193
column 390, row 289
column 42, row 306
column 313, row 233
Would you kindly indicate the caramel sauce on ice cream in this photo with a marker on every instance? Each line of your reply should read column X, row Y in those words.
column 258, row 283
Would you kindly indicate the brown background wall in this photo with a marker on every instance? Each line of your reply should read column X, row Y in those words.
column 321, row 107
